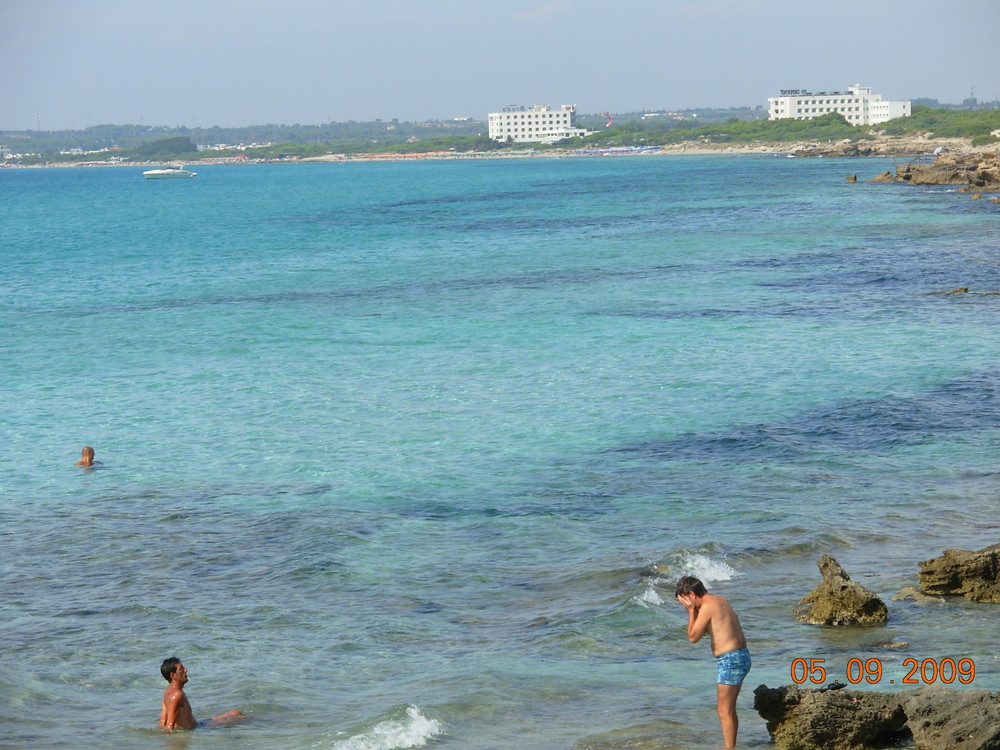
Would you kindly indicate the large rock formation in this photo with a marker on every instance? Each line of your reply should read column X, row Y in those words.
column 937, row 718
column 946, row 719
column 977, row 172
column 839, row 600
column 800, row 719
column 959, row 572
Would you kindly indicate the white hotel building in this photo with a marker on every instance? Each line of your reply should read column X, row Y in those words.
column 540, row 124
column 858, row 105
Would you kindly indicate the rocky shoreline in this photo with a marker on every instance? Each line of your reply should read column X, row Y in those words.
column 976, row 173
column 932, row 717
column 875, row 145
column 890, row 145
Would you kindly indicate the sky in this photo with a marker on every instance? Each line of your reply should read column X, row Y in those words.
column 71, row 64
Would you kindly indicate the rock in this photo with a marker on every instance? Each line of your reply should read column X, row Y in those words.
column 912, row 592
column 888, row 644
column 976, row 171
column 839, row 600
column 935, row 716
column 956, row 290
column 945, row 719
column 800, row 719
column 852, row 178
column 959, row 572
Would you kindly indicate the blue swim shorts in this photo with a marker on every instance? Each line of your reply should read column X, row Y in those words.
column 733, row 666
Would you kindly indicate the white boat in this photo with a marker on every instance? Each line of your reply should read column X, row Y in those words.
column 166, row 173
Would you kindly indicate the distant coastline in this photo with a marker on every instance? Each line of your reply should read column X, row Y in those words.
column 875, row 145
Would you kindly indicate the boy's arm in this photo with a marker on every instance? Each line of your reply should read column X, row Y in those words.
column 699, row 620
column 170, row 704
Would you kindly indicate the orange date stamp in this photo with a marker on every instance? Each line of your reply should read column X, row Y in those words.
column 872, row 671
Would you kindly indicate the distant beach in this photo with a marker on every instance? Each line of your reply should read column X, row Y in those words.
column 875, row 145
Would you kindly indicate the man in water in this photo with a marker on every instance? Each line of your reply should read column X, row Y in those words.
column 712, row 614
column 175, row 712
column 87, row 457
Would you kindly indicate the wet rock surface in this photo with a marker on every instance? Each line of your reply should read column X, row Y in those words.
column 934, row 716
column 975, row 172
column 958, row 572
column 945, row 719
column 808, row 719
column 840, row 601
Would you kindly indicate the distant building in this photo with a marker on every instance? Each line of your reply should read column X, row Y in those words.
column 858, row 105
column 540, row 124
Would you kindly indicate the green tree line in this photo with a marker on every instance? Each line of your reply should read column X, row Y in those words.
column 946, row 123
column 147, row 144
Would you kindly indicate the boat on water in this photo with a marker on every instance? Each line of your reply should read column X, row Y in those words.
column 168, row 172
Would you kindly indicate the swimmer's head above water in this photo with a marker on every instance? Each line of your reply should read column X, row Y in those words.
column 170, row 666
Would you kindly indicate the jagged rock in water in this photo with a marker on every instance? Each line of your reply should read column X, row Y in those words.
column 959, row 572
column 884, row 177
column 975, row 172
column 956, row 290
column 839, row 600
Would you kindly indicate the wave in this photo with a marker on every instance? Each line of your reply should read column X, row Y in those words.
column 410, row 730
column 699, row 565
column 649, row 597
column 677, row 565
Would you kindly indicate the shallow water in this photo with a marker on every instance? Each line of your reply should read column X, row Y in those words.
column 411, row 455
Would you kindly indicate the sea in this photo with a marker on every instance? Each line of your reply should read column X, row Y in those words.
column 411, row 455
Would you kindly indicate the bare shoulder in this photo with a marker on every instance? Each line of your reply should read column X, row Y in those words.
column 716, row 603
column 721, row 601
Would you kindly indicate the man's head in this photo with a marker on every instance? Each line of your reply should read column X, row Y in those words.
column 689, row 585
column 171, row 667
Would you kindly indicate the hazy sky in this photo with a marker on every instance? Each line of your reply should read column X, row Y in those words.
column 199, row 63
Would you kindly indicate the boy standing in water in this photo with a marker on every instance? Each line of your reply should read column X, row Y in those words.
column 175, row 711
column 712, row 614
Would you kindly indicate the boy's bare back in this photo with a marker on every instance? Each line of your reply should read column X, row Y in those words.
column 723, row 625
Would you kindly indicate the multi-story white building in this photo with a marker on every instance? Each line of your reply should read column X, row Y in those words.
column 540, row 124
column 858, row 105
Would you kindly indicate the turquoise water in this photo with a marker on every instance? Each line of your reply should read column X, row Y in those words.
column 411, row 455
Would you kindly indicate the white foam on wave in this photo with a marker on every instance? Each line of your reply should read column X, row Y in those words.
column 703, row 567
column 415, row 730
column 649, row 597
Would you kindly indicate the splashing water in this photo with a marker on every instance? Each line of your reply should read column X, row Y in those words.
column 702, row 567
column 394, row 734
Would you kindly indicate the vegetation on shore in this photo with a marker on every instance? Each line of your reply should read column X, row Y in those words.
column 975, row 124
column 131, row 143
column 943, row 123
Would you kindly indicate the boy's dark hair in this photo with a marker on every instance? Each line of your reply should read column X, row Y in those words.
column 168, row 667
column 690, row 585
